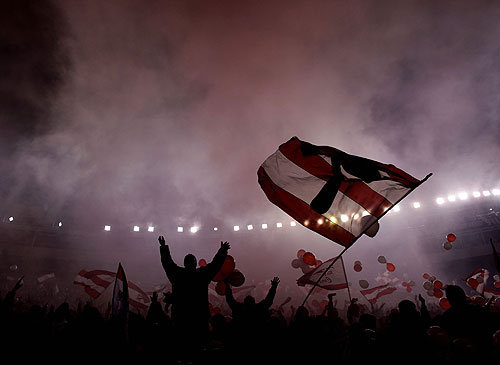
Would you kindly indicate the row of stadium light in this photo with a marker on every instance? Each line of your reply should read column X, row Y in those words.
column 451, row 198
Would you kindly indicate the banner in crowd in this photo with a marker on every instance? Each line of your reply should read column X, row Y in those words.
column 334, row 279
column 373, row 294
column 335, row 194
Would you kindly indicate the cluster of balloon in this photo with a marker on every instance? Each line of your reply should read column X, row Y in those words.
column 357, row 266
column 228, row 273
column 408, row 285
column 306, row 261
column 389, row 266
column 433, row 286
column 450, row 237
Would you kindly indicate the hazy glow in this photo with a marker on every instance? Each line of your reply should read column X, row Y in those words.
column 236, row 228
column 180, row 229
column 396, row 208
column 463, row 196
column 279, row 225
column 476, row 194
column 416, row 205
column 486, row 193
column 249, row 227
column 136, row 228
column 264, row 225
column 334, row 220
column 151, row 229
column 440, row 200
column 293, row 223
column 344, row 218
column 107, row 228
column 451, row 198
column 306, row 223
column 320, row 221
column 194, row 229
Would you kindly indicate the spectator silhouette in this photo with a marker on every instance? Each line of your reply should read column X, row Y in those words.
column 190, row 311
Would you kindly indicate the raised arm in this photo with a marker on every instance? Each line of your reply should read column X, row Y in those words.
column 233, row 304
column 268, row 301
column 169, row 265
column 214, row 267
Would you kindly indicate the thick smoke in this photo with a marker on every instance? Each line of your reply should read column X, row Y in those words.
column 130, row 112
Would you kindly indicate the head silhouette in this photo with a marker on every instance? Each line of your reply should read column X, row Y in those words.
column 455, row 295
column 190, row 262
column 249, row 300
column 407, row 308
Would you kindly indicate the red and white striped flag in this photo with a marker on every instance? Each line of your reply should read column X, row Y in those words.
column 331, row 192
column 95, row 282
column 373, row 294
column 478, row 280
column 45, row 277
column 334, row 279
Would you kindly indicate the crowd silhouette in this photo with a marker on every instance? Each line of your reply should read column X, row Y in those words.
column 181, row 329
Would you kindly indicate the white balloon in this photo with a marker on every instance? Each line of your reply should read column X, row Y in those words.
column 427, row 285
column 382, row 260
column 447, row 246
column 430, row 293
column 364, row 284
column 411, row 283
column 357, row 263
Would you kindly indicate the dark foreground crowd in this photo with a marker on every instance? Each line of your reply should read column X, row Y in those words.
column 181, row 329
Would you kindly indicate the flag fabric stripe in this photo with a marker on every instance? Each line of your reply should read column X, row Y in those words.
column 302, row 212
column 318, row 166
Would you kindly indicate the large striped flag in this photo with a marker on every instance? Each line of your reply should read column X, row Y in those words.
column 331, row 192
column 478, row 280
column 333, row 279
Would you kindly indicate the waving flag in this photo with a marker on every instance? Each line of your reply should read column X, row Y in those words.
column 373, row 294
column 331, row 192
column 120, row 302
column 95, row 282
column 334, row 279
column 478, row 280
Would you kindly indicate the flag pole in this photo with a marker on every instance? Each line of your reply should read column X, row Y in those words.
column 347, row 281
column 345, row 249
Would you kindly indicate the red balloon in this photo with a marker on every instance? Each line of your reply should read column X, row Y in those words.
column 451, row 237
column 404, row 283
column 357, row 268
column 438, row 293
column 309, row 258
column 300, row 253
column 220, row 288
column 408, row 289
column 227, row 268
column 390, row 267
column 236, row 278
column 318, row 262
column 444, row 303
column 426, row 276
column 438, row 284
column 202, row 263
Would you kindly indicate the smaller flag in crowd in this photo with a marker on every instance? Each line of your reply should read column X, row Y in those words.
column 373, row 294
column 120, row 302
column 334, row 279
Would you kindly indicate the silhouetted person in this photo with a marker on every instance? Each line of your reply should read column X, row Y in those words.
column 190, row 311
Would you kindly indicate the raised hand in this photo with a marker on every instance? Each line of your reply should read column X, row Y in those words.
column 421, row 298
column 161, row 239
column 154, row 298
column 275, row 281
column 225, row 245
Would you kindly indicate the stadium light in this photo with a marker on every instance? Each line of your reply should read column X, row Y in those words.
column 486, row 193
column 59, row 224
column 107, row 228
column 264, row 226
column 194, row 229
column 11, row 219
column 463, row 196
column 344, row 218
column 136, row 229
column 151, row 229
column 416, row 205
column 451, row 198
column 249, row 227
column 216, row 229
column 476, row 194
column 236, row 228
column 496, row 192
column 396, row 209
column 180, row 229
column 279, row 224
column 440, row 201
column 293, row 224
